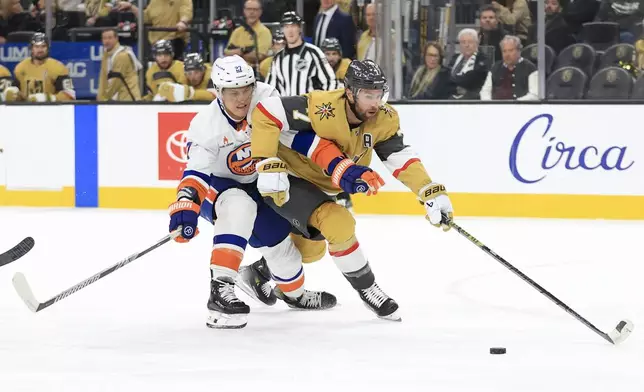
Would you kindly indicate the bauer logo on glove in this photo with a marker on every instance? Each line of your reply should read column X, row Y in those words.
column 434, row 198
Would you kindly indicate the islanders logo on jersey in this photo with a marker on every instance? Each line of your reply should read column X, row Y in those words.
column 240, row 162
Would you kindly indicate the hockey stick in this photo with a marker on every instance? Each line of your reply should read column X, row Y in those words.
column 17, row 251
column 616, row 336
column 24, row 290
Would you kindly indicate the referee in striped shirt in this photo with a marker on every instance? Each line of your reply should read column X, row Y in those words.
column 300, row 67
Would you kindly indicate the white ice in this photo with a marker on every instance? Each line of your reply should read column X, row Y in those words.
column 143, row 327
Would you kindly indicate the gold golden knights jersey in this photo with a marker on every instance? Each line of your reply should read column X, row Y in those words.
column 6, row 80
column 48, row 81
column 204, row 91
column 284, row 125
column 155, row 76
column 341, row 69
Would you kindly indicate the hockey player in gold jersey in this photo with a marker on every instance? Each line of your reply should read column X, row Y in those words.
column 8, row 92
column 358, row 122
column 333, row 53
column 165, row 69
column 198, row 85
column 41, row 78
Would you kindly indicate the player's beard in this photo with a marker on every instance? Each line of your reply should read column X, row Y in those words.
column 362, row 116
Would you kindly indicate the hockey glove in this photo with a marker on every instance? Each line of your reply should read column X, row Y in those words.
column 352, row 178
column 184, row 213
column 175, row 92
column 434, row 198
column 272, row 180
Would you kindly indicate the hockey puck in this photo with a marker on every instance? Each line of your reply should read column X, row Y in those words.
column 497, row 350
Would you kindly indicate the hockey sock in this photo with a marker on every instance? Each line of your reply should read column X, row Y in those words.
column 350, row 260
column 225, row 262
column 285, row 264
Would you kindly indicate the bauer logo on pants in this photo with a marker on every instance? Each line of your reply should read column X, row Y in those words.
column 173, row 148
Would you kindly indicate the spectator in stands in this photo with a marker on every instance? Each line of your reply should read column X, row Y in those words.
column 491, row 32
column 333, row 53
column 119, row 77
column 578, row 12
column 333, row 23
column 468, row 69
column 13, row 18
column 170, row 13
column 102, row 13
column 432, row 79
column 252, row 39
column 514, row 13
column 278, row 44
column 357, row 12
column 626, row 13
column 515, row 78
column 367, row 42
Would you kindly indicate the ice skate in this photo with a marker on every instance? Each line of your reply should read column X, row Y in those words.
column 380, row 303
column 309, row 300
column 226, row 310
column 254, row 280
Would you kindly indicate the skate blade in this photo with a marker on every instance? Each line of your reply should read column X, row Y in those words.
column 392, row 317
column 241, row 283
column 219, row 320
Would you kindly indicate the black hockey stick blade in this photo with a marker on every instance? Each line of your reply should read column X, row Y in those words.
column 17, row 251
column 616, row 336
column 23, row 289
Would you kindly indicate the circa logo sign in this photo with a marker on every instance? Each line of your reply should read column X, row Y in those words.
column 559, row 154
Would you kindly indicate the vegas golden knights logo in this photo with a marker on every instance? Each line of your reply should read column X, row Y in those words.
column 367, row 140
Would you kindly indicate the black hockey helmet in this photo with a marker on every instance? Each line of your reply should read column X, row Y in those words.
column 291, row 17
column 193, row 62
column 278, row 36
column 162, row 47
column 365, row 74
column 38, row 39
column 331, row 44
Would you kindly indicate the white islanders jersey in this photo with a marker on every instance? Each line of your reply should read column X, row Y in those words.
column 221, row 147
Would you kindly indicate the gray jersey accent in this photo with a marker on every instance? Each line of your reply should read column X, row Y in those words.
column 390, row 146
column 300, row 104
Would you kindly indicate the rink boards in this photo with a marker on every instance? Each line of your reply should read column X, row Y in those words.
column 567, row 161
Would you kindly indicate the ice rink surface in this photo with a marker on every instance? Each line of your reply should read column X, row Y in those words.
column 143, row 327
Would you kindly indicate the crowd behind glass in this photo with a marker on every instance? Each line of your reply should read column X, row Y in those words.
column 594, row 49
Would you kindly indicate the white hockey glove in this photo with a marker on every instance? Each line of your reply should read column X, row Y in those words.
column 175, row 92
column 436, row 202
column 272, row 180
column 41, row 97
column 10, row 94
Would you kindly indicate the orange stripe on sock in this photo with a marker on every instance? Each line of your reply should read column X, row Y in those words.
column 288, row 287
column 345, row 252
column 226, row 258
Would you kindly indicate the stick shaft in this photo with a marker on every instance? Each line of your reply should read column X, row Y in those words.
column 104, row 273
column 531, row 282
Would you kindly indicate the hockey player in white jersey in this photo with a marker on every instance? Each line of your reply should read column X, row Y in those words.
column 219, row 184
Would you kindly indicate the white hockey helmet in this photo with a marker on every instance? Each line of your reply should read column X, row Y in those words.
column 231, row 72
